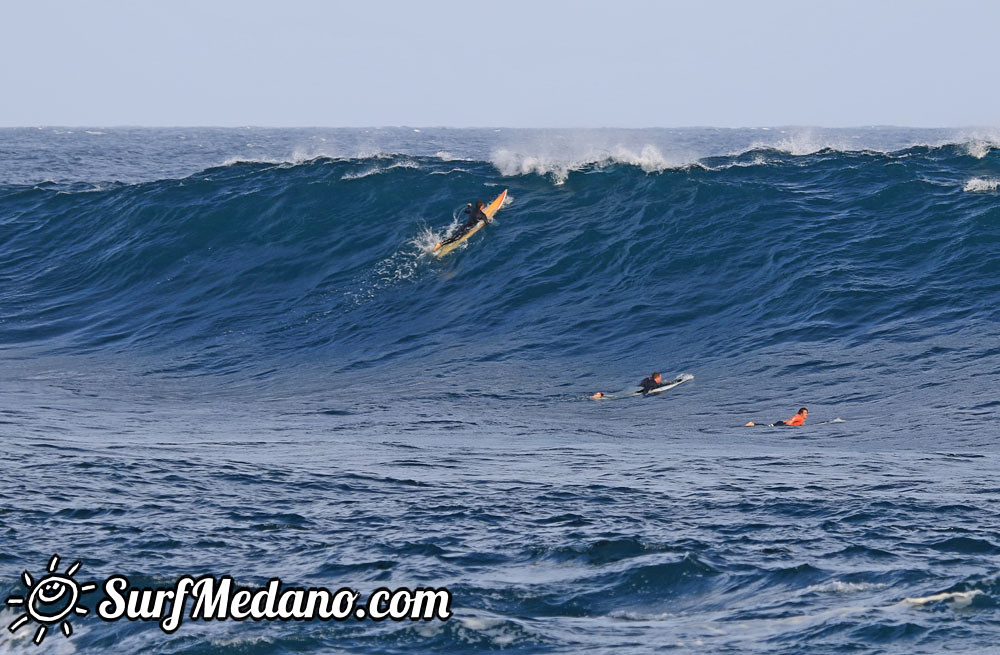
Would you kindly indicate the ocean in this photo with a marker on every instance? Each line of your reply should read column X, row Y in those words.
column 229, row 352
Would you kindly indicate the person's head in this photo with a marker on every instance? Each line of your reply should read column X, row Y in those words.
column 803, row 411
column 656, row 377
column 480, row 204
column 598, row 395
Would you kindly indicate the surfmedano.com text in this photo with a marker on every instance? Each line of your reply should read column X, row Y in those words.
column 219, row 599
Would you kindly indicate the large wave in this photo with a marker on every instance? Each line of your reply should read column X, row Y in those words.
column 762, row 260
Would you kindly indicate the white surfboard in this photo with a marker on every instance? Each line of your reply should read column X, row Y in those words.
column 680, row 379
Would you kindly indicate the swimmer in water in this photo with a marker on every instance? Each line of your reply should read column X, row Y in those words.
column 798, row 419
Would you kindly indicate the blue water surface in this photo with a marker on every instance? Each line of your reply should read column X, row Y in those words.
column 230, row 352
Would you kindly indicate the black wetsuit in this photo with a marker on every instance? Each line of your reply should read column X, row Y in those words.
column 475, row 216
column 648, row 385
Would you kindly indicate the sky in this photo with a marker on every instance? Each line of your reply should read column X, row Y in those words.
column 515, row 63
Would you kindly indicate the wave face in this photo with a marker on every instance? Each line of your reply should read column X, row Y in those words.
column 229, row 352
column 807, row 267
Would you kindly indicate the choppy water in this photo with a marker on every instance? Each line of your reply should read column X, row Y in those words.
column 228, row 352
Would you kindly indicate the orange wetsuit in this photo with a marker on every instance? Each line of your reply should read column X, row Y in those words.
column 798, row 419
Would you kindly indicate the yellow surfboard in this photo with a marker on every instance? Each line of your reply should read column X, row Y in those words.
column 443, row 248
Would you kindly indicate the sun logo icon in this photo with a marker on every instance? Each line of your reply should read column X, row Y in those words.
column 52, row 599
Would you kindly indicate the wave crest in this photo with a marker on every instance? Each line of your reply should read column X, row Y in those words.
column 982, row 184
column 648, row 157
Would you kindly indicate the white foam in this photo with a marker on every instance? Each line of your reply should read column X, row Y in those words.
column 757, row 160
column 375, row 170
column 93, row 189
column 445, row 155
column 982, row 184
column 839, row 587
column 299, row 155
column 255, row 640
column 503, row 632
column 427, row 630
column 978, row 149
column 802, row 143
column 556, row 153
column 624, row 615
column 958, row 598
column 263, row 159
column 449, row 172
column 558, row 165
column 979, row 143
column 428, row 238
column 808, row 141
column 480, row 622
column 753, row 628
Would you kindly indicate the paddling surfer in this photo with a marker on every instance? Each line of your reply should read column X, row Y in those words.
column 476, row 215
column 798, row 419
column 650, row 383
